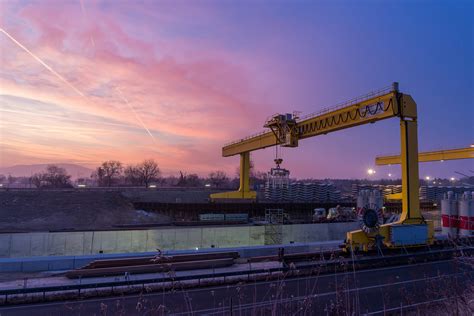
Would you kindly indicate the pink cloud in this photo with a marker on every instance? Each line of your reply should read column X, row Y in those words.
column 192, row 106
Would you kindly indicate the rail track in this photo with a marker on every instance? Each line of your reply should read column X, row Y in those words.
column 291, row 265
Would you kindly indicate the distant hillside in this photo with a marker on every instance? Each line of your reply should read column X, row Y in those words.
column 76, row 171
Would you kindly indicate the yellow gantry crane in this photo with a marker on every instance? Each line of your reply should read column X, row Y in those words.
column 427, row 156
column 435, row 155
column 287, row 131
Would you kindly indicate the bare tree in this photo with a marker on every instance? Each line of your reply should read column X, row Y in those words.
column 53, row 177
column 57, row 177
column 148, row 171
column 182, row 179
column 132, row 175
column 37, row 180
column 218, row 178
column 143, row 173
column 108, row 172
column 193, row 180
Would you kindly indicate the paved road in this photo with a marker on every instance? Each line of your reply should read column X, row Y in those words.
column 371, row 291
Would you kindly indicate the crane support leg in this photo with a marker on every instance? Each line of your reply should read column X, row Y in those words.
column 244, row 191
column 412, row 229
column 410, row 176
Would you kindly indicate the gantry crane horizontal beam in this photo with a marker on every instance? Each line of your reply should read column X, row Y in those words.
column 369, row 109
column 436, row 155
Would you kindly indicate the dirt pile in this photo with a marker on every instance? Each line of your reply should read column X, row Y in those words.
column 35, row 210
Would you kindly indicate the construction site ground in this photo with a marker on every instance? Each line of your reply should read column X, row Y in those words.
column 37, row 210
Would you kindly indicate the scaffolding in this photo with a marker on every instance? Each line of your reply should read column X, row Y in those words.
column 274, row 227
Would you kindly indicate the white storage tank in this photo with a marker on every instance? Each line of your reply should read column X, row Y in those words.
column 375, row 200
column 449, row 215
column 466, row 214
column 362, row 199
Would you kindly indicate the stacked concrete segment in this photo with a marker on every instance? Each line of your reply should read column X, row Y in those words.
column 437, row 193
column 302, row 192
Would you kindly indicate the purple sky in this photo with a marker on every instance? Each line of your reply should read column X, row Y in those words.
column 175, row 80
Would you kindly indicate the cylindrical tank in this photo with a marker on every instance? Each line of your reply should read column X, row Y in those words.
column 445, row 212
column 466, row 215
column 449, row 215
column 362, row 200
column 454, row 215
column 375, row 200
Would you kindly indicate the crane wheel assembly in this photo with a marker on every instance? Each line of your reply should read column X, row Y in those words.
column 412, row 230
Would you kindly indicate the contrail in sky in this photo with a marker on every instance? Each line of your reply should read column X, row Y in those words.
column 70, row 85
column 136, row 114
column 84, row 14
column 67, row 118
column 42, row 63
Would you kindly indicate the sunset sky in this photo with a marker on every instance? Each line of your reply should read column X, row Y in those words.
column 87, row 81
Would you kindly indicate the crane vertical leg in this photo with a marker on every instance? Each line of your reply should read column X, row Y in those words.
column 412, row 229
column 244, row 172
column 410, row 176
column 244, row 191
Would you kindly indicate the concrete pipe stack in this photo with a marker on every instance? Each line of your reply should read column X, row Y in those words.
column 466, row 214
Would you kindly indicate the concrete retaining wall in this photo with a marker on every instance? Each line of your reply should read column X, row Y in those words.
column 90, row 243
column 61, row 263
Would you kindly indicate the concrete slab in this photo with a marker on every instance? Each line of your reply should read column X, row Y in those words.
column 124, row 241
column 194, row 238
column 208, row 238
column 20, row 245
column 56, row 244
column 96, row 242
column 74, row 243
column 138, row 240
column 38, row 246
column 109, row 241
column 87, row 243
column 256, row 235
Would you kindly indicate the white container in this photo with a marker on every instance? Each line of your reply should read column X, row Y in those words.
column 466, row 215
column 362, row 200
column 449, row 215
column 375, row 200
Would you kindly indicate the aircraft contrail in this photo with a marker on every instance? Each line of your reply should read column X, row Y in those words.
column 49, row 68
column 84, row 14
column 136, row 114
column 68, row 119
column 42, row 63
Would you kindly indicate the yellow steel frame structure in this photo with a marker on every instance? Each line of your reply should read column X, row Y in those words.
column 371, row 108
column 436, row 155
column 427, row 156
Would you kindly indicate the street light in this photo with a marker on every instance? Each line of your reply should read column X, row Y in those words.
column 389, row 174
column 452, row 179
column 427, row 178
column 370, row 171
